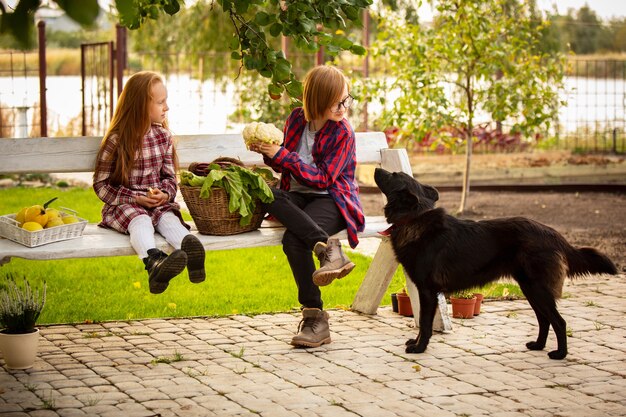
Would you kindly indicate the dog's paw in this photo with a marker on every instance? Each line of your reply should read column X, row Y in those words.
column 535, row 345
column 415, row 348
column 410, row 342
column 557, row 354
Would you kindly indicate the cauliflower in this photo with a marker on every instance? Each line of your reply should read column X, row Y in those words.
column 262, row 132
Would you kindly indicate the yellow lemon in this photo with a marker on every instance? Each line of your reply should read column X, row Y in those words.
column 19, row 217
column 56, row 221
column 52, row 213
column 70, row 219
column 36, row 214
column 32, row 226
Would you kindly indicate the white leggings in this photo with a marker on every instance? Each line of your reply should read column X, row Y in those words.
column 142, row 232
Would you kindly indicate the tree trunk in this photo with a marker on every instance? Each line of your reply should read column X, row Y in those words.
column 466, row 171
column 469, row 144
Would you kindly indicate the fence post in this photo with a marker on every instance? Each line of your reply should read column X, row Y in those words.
column 43, row 106
column 83, row 72
column 120, row 56
column 366, row 62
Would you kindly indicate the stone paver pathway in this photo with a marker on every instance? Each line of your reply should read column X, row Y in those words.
column 244, row 366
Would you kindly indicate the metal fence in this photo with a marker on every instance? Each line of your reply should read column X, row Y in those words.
column 207, row 94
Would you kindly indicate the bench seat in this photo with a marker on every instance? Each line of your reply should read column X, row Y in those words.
column 98, row 242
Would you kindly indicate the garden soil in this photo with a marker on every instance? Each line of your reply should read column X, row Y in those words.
column 596, row 219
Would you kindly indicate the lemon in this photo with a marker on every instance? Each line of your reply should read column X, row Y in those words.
column 32, row 226
column 70, row 219
column 36, row 214
column 56, row 221
column 19, row 217
column 52, row 213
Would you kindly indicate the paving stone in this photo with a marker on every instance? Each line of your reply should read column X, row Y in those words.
column 244, row 366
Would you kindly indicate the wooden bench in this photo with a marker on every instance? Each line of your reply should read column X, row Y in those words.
column 77, row 154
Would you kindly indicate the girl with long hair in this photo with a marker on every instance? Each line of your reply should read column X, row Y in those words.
column 135, row 177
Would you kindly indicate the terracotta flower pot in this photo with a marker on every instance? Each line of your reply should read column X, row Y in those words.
column 463, row 308
column 479, row 301
column 404, row 304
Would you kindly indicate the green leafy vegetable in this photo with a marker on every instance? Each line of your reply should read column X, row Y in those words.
column 243, row 186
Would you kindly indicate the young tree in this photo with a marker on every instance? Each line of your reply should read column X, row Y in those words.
column 309, row 24
column 479, row 59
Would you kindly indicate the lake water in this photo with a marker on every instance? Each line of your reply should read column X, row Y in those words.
column 204, row 107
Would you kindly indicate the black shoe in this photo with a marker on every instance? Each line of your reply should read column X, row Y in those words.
column 162, row 268
column 195, row 258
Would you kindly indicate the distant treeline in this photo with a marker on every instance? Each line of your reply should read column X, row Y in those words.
column 583, row 32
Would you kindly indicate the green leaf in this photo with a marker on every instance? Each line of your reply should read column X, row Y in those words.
column 234, row 43
column 275, row 89
column 172, row 7
column 358, row 50
column 241, row 6
column 341, row 42
column 276, row 29
column 294, row 88
column 282, row 70
column 84, row 12
column 324, row 39
column 262, row 19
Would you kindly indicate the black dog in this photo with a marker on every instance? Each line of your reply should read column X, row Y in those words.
column 442, row 253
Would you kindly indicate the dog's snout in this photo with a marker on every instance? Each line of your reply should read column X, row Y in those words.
column 381, row 176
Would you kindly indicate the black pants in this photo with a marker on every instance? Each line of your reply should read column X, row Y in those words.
column 309, row 218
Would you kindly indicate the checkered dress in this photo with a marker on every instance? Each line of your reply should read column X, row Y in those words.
column 154, row 168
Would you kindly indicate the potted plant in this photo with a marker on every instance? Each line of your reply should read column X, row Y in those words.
column 463, row 303
column 404, row 303
column 479, row 300
column 20, row 307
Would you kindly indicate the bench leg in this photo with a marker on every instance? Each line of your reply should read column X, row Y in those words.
column 377, row 279
column 441, row 321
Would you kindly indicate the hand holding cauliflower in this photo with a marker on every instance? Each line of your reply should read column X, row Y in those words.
column 261, row 132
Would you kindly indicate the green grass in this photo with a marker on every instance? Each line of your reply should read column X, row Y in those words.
column 242, row 281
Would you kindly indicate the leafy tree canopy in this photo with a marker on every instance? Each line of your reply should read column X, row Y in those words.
column 254, row 22
column 479, row 60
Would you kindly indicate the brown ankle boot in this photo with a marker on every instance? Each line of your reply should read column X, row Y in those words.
column 333, row 263
column 313, row 330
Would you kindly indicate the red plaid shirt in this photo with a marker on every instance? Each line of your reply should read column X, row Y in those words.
column 154, row 168
column 335, row 159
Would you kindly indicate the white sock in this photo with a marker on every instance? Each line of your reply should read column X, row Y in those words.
column 172, row 229
column 141, row 235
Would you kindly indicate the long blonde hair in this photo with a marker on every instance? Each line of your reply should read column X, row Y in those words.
column 131, row 121
column 323, row 85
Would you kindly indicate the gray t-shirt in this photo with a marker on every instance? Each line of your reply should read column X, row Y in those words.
column 305, row 150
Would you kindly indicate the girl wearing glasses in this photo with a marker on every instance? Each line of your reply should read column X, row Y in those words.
column 318, row 194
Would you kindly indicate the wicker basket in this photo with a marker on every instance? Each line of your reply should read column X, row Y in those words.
column 211, row 214
column 9, row 229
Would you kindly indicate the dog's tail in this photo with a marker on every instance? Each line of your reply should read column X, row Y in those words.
column 589, row 261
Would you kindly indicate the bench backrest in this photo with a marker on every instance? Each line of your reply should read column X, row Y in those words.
column 77, row 154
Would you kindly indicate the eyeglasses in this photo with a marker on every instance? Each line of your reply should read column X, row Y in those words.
column 346, row 103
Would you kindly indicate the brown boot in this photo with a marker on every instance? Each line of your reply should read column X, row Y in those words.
column 333, row 263
column 313, row 330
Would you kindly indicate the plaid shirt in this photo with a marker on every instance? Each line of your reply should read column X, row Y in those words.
column 154, row 168
column 335, row 159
